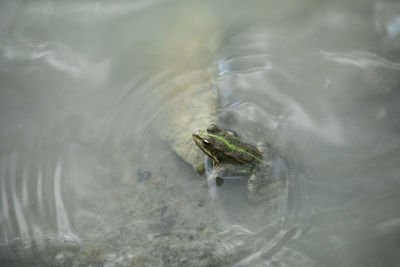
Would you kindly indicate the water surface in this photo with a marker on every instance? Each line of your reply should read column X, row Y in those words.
column 97, row 98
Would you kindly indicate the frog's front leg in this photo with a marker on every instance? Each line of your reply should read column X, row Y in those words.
column 233, row 171
column 213, row 181
column 225, row 171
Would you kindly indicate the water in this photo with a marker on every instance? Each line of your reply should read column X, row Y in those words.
column 98, row 101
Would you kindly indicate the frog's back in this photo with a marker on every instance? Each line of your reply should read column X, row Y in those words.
column 243, row 152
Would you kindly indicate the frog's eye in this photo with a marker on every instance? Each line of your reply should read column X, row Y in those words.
column 212, row 128
column 206, row 143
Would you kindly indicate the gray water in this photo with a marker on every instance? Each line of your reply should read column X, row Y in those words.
column 90, row 89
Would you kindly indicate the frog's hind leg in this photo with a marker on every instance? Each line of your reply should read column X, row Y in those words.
column 260, row 188
column 254, row 185
column 269, row 180
column 266, row 150
column 232, row 133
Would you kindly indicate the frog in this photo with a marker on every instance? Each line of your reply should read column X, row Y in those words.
column 265, row 166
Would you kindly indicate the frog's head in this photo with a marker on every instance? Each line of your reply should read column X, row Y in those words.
column 212, row 142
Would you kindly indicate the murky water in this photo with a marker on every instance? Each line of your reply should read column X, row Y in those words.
column 99, row 100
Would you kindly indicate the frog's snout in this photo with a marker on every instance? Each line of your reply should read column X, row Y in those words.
column 195, row 136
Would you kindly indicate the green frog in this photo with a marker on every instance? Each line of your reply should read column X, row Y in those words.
column 231, row 157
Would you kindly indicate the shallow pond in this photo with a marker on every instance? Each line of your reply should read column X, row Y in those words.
column 98, row 102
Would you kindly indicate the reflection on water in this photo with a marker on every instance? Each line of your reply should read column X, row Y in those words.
column 98, row 102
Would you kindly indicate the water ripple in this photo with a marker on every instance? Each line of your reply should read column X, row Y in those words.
column 363, row 60
column 245, row 64
column 26, row 216
column 63, row 223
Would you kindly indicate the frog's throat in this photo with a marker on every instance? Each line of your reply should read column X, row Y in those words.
column 232, row 146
